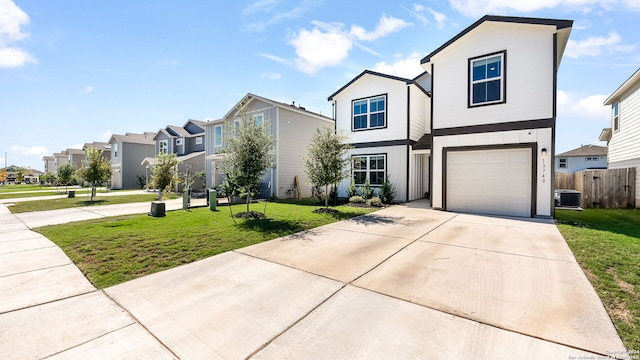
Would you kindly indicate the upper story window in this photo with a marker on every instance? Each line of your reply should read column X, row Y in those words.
column 217, row 135
column 616, row 118
column 163, row 146
column 487, row 79
column 257, row 119
column 199, row 140
column 179, row 141
column 562, row 163
column 114, row 148
column 369, row 113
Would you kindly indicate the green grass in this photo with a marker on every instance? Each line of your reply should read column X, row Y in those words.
column 82, row 200
column 110, row 251
column 606, row 243
column 60, row 191
column 23, row 187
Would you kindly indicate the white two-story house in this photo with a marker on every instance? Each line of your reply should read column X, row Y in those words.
column 476, row 132
column 622, row 137
column 292, row 127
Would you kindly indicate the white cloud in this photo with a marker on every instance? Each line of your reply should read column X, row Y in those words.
column 406, row 68
column 33, row 150
column 421, row 13
column 275, row 58
column 593, row 46
column 105, row 136
column 589, row 107
column 270, row 12
column 316, row 49
column 88, row 89
column 386, row 25
column 477, row 8
column 271, row 75
column 12, row 18
column 328, row 44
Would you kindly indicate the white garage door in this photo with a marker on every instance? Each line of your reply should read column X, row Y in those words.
column 489, row 181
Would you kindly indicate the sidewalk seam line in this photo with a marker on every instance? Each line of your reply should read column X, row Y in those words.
column 50, row 301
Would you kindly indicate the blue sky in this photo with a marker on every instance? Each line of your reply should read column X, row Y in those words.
column 76, row 71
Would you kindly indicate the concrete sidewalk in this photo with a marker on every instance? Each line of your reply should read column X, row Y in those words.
column 403, row 283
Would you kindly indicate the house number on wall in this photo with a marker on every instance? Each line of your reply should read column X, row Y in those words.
column 544, row 170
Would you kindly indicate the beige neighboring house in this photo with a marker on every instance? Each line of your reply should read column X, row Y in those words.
column 127, row 153
column 103, row 146
column 622, row 137
column 582, row 158
column 292, row 127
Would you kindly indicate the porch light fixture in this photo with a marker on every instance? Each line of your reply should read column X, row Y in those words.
column 543, row 152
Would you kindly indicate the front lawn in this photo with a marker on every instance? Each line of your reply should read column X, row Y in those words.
column 82, row 200
column 606, row 243
column 110, row 251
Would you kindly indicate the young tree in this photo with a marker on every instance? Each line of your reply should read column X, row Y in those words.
column 249, row 153
column 66, row 173
column 20, row 172
column 326, row 161
column 3, row 176
column 164, row 174
column 95, row 169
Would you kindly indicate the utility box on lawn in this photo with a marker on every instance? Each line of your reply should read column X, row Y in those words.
column 157, row 209
column 213, row 199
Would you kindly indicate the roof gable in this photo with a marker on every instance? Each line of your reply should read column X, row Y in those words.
column 630, row 83
column 371, row 73
column 252, row 97
column 559, row 25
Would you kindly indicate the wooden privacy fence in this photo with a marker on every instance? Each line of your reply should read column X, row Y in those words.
column 607, row 188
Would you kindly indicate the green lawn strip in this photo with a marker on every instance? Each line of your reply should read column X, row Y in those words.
column 606, row 243
column 60, row 191
column 23, row 187
column 81, row 201
column 113, row 250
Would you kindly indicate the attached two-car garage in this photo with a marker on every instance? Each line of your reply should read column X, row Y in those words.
column 489, row 181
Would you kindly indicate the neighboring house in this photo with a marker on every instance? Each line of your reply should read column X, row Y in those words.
column 292, row 127
column 59, row 159
column 584, row 157
column 49, row 164
column 29, row 176
column 75, row 157
column 102, row 146
column 622, row 137
column 187, row 142
column 127, row 153
column 476, row 131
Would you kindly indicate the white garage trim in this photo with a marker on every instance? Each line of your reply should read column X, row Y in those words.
column 493, row 179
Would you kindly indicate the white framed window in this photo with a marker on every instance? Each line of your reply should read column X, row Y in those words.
column 592, row 158
column 486, row 79
column 370, row 113
column 616, row 118
column 114, row 148
column 258, row 119
column 163, row 146
column 217, row 135
column 199, row 140
column 179, row 141
column 562, row 163
column 370, row 168
column 236, row 126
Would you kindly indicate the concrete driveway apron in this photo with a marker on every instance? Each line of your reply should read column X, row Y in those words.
column 399, row 283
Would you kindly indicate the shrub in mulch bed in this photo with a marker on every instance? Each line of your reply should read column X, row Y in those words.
column 250, row 215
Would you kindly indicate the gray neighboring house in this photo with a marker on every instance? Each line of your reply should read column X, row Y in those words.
column 75, row 157
column 292, row 126
column 49, row 164
column 584, row 157
column 187, row 142
column 127, row 153
column 59, row 159
column 103, row 146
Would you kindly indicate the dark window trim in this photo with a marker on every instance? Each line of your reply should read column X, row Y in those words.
column 534, row 167
column 386, row 163
column 503, row 126
column 504, row 79
column 364, row 145
column 386, row 112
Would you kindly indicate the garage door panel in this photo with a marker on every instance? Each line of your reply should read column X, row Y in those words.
column 490, row 181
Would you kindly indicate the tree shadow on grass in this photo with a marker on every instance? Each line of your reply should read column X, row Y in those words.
column 271, row 226
column 92, row 203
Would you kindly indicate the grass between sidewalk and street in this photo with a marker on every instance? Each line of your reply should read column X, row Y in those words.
column 113, row 250
column 52, row 191
column 606, row 243
column 24, row 187
column 82, row 200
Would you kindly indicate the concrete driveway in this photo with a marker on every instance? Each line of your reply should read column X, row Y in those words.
column 401, row 283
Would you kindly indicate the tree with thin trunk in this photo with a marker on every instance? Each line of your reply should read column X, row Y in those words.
column 326, row 162
column 165, row 174
column 249, row 153
column 95, row 169
column 65, row 175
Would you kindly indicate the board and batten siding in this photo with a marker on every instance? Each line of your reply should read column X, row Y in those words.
column 529, row 75
column 294, row 134
column 544, row 164
column 370, row 86
column 624, row 144
column 396, row 168
column 419, row 110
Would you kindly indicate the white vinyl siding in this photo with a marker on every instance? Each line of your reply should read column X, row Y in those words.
column 529, row 81
column 624, row 144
